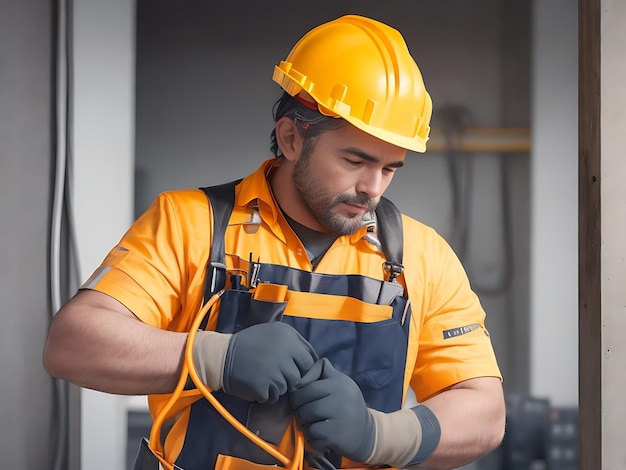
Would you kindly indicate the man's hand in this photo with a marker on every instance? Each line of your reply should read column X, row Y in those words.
column 264, row 361
column 330, row 409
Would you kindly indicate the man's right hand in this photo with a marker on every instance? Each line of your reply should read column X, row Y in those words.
column 265, row 361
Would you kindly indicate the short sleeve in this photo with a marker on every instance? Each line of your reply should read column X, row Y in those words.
column 453, row 342
column 156, row 269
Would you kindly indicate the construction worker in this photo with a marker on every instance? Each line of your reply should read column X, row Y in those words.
column 319, row 304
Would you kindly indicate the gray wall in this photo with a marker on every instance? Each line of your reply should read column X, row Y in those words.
column 554, row 202
column 613, row 169
column 26, row 143
column 103, row 141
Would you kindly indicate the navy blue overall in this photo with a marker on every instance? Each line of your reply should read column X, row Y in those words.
column 372, row 353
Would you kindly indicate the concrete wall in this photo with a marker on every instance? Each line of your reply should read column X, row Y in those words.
column 104, row 38
column 613, row 217
column 26, row 148
column 554, row 206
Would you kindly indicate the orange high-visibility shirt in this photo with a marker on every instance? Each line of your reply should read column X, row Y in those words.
column 157, row 271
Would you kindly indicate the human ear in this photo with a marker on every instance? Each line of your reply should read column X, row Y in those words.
column 288, row 138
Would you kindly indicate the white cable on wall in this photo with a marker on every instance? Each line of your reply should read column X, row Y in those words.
column 56, row 220
column 61, row 209
column 60, row 158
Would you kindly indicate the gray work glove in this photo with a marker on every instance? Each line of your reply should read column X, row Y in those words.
column 332, row 413
column 330, row 409
column 264, row 361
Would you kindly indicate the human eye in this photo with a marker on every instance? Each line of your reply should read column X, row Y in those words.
column 353, row 162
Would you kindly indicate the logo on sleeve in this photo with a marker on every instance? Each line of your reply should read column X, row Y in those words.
column 461, row 330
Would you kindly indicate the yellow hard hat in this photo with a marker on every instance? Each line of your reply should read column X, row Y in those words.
column 361, row 70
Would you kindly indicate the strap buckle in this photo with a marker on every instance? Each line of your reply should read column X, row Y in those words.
column 394, row 269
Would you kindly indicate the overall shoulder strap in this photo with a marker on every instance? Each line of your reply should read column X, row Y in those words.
column 222, row 200
column 390, row 234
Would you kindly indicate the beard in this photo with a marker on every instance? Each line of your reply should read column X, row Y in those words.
column 323, row 206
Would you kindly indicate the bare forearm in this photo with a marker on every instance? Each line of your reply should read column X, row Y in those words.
column 112, row 351
column 471, row 421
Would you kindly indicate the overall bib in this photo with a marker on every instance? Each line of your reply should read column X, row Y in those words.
column 359, row 323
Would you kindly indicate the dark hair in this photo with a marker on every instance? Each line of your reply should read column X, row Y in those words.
column 310, row 122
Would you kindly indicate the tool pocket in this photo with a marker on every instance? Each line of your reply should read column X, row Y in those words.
column 240, row 309
column 227, row 462
column 148, row 460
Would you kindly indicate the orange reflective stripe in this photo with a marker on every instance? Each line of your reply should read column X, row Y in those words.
column 270, row 292
column 335, row 307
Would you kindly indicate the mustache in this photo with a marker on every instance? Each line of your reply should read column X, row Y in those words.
column 357, row 200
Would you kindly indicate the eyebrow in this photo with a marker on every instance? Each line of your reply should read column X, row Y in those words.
column 370, row 158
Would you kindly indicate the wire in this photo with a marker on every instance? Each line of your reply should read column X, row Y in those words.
column 61, row 202
column 189, row 367
column 506, row 277
column 56, row 220
column 180, row 398
column 455, row 119
column 454, row 123
column 60, row 161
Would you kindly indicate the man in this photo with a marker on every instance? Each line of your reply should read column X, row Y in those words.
column 318, row 320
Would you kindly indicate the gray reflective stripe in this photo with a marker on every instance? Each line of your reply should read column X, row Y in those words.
column 367, row 289
column 95, row 277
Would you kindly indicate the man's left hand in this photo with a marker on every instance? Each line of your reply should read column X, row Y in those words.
column 332, row 413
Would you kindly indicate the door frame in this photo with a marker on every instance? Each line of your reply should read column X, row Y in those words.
column 589, row 236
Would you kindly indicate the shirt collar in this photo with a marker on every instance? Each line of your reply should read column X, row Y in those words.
column 255, row 189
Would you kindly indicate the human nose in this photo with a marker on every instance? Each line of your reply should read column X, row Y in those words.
column 371, row 183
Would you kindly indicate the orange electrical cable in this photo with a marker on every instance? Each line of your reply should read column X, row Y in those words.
column 296, row 462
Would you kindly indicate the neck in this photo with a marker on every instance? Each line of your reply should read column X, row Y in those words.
column 289, row 199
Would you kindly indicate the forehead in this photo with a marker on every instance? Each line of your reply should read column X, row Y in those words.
column 351, row 140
